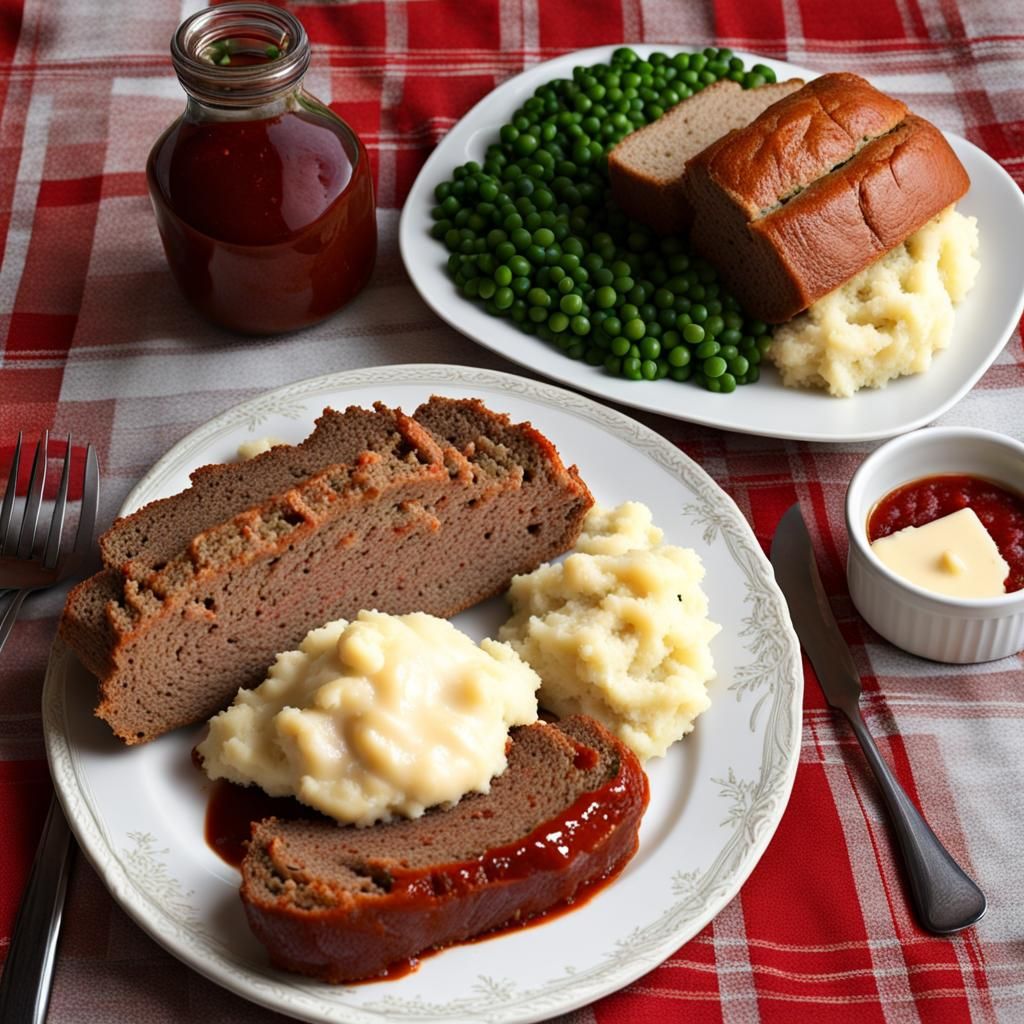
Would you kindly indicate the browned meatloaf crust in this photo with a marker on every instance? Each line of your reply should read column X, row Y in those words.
column 420, row 523
column 341, row 903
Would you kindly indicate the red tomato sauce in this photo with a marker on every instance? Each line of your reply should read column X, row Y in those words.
column 579, row 830
column 268, row 224
column 922, row 501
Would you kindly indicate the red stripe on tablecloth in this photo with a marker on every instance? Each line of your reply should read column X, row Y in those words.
column 565, row 26
column 810, row 842
column 430, row 26
column 91, row 189
column 359, row 25
column 739, row 18
column 845, row 21
column 55, row 449
column 70, row 191
column 684, row 987
column 28, row 399
column 24, row 796
column 51, row 332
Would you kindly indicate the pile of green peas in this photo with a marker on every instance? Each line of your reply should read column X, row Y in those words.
column 535, row 236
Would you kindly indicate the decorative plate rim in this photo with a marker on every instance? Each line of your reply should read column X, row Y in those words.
column 760, row 805
column 631, row 395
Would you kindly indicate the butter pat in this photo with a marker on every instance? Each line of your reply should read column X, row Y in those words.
column 954, row 556
column 382, row 716
column 250, row 449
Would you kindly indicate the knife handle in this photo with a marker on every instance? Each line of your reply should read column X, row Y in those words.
column 945, row 899
column 28, row 970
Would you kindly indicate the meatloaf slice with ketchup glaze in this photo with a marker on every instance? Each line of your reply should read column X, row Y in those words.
column 341, row 903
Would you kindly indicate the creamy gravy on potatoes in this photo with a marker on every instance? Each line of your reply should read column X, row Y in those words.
column 385, row 715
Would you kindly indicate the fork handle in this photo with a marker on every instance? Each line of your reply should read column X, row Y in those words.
column 25, row 982
column 7, row 622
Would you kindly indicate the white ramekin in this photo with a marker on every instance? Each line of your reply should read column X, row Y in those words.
column 960, row 630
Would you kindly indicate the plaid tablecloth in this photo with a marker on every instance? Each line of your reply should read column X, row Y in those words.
column 95, row 339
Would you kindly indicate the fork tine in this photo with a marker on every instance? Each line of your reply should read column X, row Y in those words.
column 90, row 504
column 52, row 550
column 12, row 487
column 27, row 537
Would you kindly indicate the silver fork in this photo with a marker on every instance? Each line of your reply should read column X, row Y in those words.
column 19, row 570
column 28, row 970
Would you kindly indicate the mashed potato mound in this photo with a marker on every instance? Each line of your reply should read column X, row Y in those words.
column 889, row 320
column 383, row 716
column 619, row 630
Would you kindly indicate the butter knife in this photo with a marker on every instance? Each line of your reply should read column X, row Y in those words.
column 944, row 898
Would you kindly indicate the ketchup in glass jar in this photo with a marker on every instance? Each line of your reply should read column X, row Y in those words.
column 263, row 195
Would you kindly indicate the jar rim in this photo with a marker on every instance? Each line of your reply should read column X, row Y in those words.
column 244, row 85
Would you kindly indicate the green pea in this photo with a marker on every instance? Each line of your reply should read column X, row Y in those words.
column 693, row 334
column 679, row 356
column 714, row 367
column 571, row 304
column 650, row 348
column 634, row 329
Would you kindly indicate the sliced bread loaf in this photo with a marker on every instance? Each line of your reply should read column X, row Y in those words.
column 344, row 903
column 419, row 526
column 646, row 168
column 814, row 190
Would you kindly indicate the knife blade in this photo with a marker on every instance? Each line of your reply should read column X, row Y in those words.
column 944, row 898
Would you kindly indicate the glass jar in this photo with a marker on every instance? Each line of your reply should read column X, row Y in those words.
column 263, row 195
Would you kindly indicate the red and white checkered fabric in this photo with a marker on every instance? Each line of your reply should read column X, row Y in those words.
column 95, row 339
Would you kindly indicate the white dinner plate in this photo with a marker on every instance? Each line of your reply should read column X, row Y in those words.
column 984, row 321
column 716, row 798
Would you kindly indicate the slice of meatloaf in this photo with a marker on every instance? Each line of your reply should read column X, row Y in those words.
column 552, row 501
column 341, row 903
column 149, row 537
column 419, row 527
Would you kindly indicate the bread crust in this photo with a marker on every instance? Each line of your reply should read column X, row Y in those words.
column 657, row 198
column 816, row 189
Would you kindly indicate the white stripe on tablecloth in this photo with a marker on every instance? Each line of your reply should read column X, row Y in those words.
column 510, row 26
column 632, row 19
column 23, row 202
column 732, row 958
column 164, row 88
column 851, row 806
column 531, row 33
column 392, row 87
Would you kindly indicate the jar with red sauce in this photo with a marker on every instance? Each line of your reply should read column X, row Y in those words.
column 263, row 195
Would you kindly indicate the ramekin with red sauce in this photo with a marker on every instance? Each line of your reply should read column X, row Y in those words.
column 948, row 629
